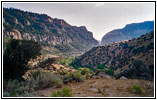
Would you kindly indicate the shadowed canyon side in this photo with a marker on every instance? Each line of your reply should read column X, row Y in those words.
column 132, row 59
column 130, row 31
column 49, row 32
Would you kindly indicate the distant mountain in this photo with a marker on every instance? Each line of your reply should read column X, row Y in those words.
column 132, row 59
column 50, row 32
column 128, row 32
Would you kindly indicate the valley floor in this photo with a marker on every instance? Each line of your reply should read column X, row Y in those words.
column 106, row 88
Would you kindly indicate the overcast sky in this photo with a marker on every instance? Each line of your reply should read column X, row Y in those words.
column 98, row 18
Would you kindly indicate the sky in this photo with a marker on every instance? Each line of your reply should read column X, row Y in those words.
column 99, row 18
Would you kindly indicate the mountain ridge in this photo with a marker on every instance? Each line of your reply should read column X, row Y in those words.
column 20, row 24
column 133, row 58
column 128, row 32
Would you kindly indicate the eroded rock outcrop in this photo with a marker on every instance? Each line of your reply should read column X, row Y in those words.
column 41, row 27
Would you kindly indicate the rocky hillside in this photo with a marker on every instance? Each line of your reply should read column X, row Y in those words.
column 128, row 32
column 132, row 59
column 56, row 33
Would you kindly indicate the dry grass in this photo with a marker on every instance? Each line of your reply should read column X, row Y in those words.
column 111, row 88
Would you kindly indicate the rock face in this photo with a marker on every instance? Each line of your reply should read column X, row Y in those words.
column 15, row 34
column 128, row 32
column 131, row 59
column 18, row 24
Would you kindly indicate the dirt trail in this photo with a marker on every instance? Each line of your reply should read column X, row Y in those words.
column 105, row 88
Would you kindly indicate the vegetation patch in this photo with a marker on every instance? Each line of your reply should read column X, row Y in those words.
column 41, row 79
column 66, row 61
column 136, row 90
column 100, row 66
column 16, row 57
column 85, row 71
column 109, row 71
column 73, row 77
column 15, row 88
column 66, row 92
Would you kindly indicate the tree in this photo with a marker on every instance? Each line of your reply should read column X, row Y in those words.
column 16, row 57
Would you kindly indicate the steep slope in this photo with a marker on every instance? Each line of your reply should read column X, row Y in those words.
column 132, row 59
column 18, row 24
column 128, row 32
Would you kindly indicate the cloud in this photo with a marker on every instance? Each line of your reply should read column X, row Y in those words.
column 99, row 4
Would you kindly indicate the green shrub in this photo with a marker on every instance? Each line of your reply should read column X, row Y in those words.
column 41, row 79
column 56, row 94
column 62, row 72
column 109, row 71
column 139, row 69
column 73, row 76
column 141, row 49
column 66, row 92
column 14, row 88
column 100, row 66
column 5, row 43
column 78, row 77
column 66, row 61
column 16, row 56
column 77, row 64
column 136, row 90
column 85, row 71
column 11, row 84
column 9, row 88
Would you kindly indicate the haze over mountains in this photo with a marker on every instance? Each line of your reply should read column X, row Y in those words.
column 130, row 31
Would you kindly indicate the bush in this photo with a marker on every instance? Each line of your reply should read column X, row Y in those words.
column 56, row 94
column 141, row 49
column 78, row 77
column 100, row 66
column 85, row 71
column 73, row 77
column 37, row 80
column 5, row 43
column 109, row 71
column 139, row 69
column 16, row 57
column 136, row 89
column 40, row 79
column 66, row 92
column 66, row 61
column 14, row 88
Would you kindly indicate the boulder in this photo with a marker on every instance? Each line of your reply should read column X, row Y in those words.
column 123, row 78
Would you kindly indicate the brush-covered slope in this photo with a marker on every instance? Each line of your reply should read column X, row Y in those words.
column 58, row 33
column 132, row 59
column 128, row 32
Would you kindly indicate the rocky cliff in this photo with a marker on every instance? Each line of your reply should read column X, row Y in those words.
column 128, row 32
column 19, row 24
column 132, row 59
